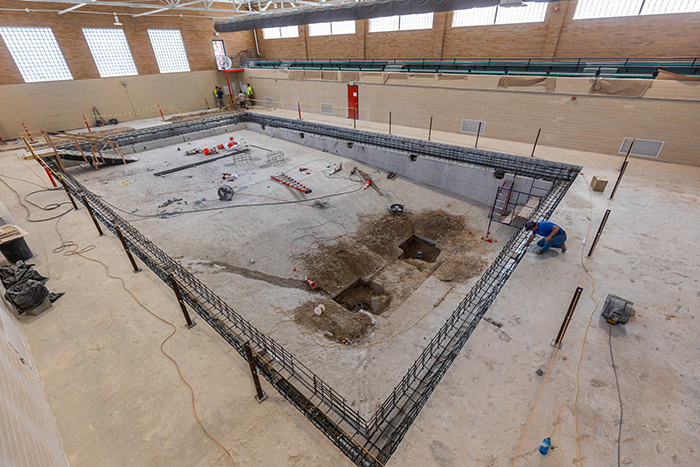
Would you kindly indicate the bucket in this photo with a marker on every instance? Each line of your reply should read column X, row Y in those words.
column 16, row 250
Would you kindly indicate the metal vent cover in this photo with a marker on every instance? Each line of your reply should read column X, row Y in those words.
column 327, row 109
column 473, row 126
column 641, row 147
column 269, row 101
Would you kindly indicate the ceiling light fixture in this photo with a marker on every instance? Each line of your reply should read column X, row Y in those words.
column 116, row 19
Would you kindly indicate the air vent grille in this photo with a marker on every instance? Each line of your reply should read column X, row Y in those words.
column 327, row 109
column 473, row 126
column 642, row 147
column 269, row 101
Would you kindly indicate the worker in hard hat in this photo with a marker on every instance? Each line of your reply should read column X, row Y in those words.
column 552, row 236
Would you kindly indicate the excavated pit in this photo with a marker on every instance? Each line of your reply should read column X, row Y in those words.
column 419, row 248
column 363, row 294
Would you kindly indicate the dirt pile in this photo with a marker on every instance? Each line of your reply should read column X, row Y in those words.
column 374, row 253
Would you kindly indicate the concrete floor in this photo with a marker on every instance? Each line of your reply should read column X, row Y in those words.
column 119, row 401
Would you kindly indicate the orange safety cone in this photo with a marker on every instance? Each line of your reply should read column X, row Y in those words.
column 311, row 283
column 206, row 151
column 367, row 183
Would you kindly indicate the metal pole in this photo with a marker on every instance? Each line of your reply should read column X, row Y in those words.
column 128, row 253
column 260, row 396
column 600, row 231
column 230, row 92
column 75, row 206
column 627, row 155
column 574, row 301
column 89, row 208
column 430, row 131
column 389, row 122
column 176, row 289
column 535, row 145
column 354, row 118
column 477, row 136
column 619, row 177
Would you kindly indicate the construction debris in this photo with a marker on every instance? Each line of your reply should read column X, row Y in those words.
column 290, row 182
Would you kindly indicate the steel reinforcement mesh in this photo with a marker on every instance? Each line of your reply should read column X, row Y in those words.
column 367, row 443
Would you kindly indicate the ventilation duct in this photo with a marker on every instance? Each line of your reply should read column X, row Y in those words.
column 349, row 11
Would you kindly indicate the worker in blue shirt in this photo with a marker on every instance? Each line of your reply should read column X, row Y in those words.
column 553, row 236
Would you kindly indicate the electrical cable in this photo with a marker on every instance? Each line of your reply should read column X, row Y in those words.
column 619, row 396
column 70, row 249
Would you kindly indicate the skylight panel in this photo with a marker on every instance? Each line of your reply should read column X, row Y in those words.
column 474, row 17
column 111, row 52
column 36, row 54
column 169, row 50
column 531, row 13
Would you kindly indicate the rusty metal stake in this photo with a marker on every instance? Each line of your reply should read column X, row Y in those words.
column 600, row 231
column 574, row 301
column 65, row 187
column 260, row 396
column 176, row 289
column 128, row 252
column 89, row 208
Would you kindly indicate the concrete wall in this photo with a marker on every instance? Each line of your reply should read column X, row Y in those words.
column 28, row 435
column 466, row 181
column 59, row 105
column 558, row 36
column 668, row 111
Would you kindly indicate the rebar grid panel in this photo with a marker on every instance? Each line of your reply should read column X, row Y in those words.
column 518, row 165
column 367, row 443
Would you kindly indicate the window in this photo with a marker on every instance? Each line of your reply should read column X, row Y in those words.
column 219, row 54
column 531, row 13
column 169, row 50
column 401, row 23
column 36, row 53
column 110, row 51
column 332, row 29
column 281, row 33
column 589, row 9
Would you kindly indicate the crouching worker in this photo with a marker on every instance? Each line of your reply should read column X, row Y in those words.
column 241, row 100
column 553, row 236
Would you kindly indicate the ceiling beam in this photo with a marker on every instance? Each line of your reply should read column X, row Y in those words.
column 74, row 7
column 130, row 5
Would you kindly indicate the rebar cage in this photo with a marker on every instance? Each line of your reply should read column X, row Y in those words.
column 367, row 443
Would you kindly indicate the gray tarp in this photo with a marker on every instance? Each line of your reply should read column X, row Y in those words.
column 348, row 11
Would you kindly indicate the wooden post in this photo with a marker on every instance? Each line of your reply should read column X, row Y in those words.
column 430, row 131
column 260, row 396
column 535, row 145
column 47, row 138
column 476, row 144
column 389, row 122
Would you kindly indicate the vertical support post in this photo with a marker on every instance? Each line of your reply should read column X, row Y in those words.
column 476, row 144
column 354, row 118
column 536, row 140
column 389, row 122
column 574, row 301
column 75, row 206
column 128, row 253
column 627, row 156
column 176, row 289
column 27, row 132
column 600, row 231
column 89, row 208
column 161, row 112
column 260, row 396
column 230, row 92
column 430, row 130
column 47, row 138
column 299, row 109
column 619, row 177
column 86, row 124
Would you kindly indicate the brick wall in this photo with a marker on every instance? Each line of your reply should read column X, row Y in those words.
column 28, row 433
column 668, row 111
column 559, row 35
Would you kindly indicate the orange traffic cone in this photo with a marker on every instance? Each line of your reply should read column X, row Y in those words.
column 367, row 183
column 311, row 283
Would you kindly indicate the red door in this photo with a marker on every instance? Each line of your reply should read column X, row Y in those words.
column 352, row 101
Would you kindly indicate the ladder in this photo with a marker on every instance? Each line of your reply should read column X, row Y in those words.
column 499, row 206
column 290, row 182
